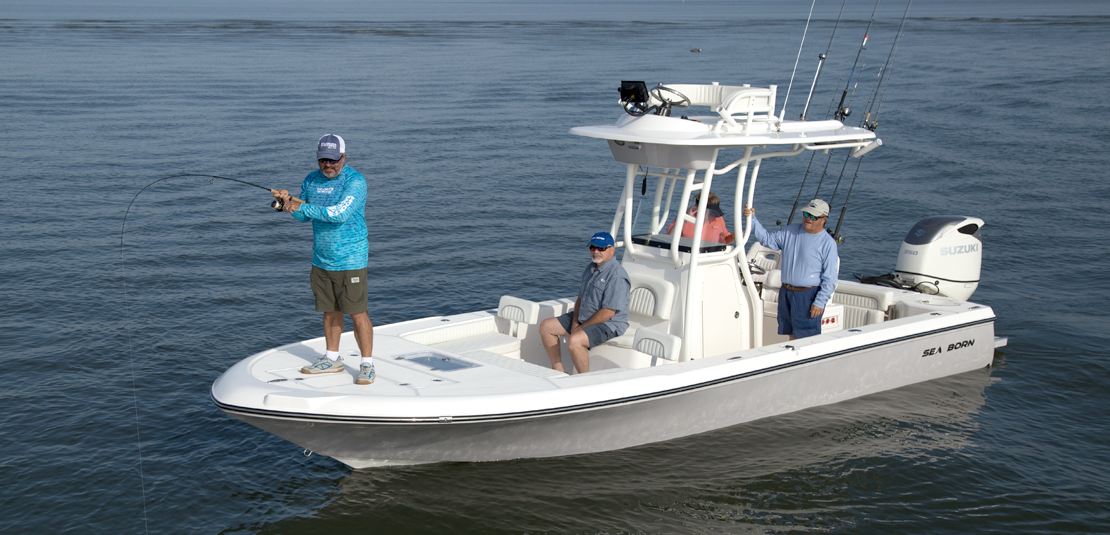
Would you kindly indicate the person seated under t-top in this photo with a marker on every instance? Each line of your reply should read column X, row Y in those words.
column 714, row 228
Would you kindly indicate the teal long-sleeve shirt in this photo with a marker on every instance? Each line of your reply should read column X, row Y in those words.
column 337, row 209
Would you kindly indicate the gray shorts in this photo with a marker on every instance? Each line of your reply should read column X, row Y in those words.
column 598, row 334
column 339, row 291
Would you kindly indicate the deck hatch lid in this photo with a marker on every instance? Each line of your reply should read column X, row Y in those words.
column 436, row 361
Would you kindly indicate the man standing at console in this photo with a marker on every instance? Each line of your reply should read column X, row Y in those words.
column 335, row 201
column 809, row 268
column 600, row 312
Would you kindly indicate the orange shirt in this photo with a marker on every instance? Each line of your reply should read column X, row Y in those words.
column 714, row 230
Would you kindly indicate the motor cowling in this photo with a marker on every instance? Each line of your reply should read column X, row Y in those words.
column 942, row 255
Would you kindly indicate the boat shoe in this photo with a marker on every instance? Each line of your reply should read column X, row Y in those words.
column 324, row 365
column 365, row 374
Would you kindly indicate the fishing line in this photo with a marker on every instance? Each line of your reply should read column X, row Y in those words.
column 127, row 321
column 134, row 389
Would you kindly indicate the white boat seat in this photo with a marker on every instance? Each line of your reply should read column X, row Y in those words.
column 657, row 344
column 482, row 334
column 518, row 311
column 651, row 299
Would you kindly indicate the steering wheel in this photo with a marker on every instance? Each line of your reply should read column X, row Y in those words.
column 636, row 109
column 659, row 93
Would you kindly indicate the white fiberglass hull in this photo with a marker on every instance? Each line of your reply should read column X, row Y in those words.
column 801, row 374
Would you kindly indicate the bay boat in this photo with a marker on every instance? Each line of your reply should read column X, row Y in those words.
column 702, row 351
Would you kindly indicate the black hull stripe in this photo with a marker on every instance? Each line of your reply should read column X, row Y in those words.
column 575, row 408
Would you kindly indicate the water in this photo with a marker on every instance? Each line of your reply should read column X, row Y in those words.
column 457, row 113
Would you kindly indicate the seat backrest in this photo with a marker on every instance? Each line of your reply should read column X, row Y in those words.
column 517, row 309
column 651, row 297
column 872, row 297
column 705, row 94
column 657, row 344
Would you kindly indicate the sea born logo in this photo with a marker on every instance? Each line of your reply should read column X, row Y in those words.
column 959, row 249
column 951, row 347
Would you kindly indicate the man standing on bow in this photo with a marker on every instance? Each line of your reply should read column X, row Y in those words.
column 335, row 201
column 600, row 313
column 809, row 268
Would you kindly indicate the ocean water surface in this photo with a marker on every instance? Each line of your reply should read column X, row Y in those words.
column 457, row 113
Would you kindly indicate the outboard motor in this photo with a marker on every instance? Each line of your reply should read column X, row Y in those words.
column 942, row 255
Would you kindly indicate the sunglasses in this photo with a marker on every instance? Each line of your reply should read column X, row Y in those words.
column 596, row 248
column 808, row 215
column 329, row 161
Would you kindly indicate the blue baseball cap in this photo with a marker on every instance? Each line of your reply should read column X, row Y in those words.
column 330, row 147
column 602, row 239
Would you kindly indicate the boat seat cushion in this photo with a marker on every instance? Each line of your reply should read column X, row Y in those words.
column 624, row 340
column 509, row 363
column 493, row 342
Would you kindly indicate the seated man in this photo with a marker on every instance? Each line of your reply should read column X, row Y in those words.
column 809, row 263
column 600, row 312
column 714, row 229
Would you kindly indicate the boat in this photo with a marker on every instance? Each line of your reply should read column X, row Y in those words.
column 701, row 352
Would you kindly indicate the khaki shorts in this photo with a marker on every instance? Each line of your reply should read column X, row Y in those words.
column 339, row 291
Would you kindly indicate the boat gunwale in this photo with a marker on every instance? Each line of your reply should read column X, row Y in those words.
column 425, row 420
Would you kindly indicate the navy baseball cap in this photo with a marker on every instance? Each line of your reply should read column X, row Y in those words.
column 602, row 239
column 331, row 147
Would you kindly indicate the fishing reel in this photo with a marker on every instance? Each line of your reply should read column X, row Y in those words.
column 636, row 99
column 277, row 205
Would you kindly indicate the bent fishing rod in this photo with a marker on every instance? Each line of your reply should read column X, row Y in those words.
column 276, row 204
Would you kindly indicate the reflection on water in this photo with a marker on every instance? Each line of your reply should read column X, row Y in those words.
column 745, row 475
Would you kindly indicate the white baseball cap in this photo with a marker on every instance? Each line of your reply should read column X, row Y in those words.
column 817, row 207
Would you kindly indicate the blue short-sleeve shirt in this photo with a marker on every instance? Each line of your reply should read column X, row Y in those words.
column 605, row 286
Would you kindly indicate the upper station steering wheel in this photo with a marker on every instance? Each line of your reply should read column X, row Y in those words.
column 659, row 93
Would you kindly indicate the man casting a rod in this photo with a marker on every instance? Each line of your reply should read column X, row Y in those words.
column 335, row 202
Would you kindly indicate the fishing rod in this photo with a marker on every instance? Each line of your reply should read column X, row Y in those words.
column 841, row 111
column 276, row 204
column 821, row 64
column 809, row 100
column 795, row 71
column 868, row 122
